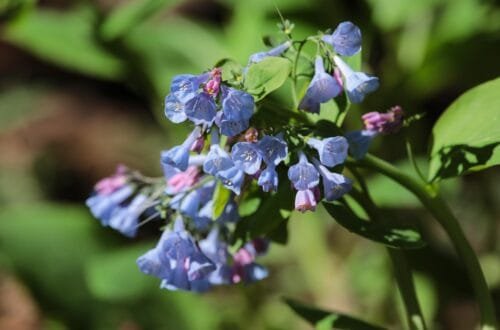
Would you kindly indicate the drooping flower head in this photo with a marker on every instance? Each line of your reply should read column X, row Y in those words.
column 303, row 175
column 237, row 109
column 247, row 157
column 335, row 185
column 268, row 179
column 305, row 200
column 273, row 149
column 323, row 87
column 332, row 151
column 178, row 156
column 359, row 142
column 357, row 84
column 345, row 40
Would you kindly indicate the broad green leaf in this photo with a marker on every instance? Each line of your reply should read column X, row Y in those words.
column 129, row 15
column 323, row 319
column 467, row 135
column 221, row 197
column 385, row 233
column 65, row 39
column 266, row 76
column 114, row 276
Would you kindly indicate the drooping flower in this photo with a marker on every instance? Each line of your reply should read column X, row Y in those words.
column 174, row 109
column 303, row 175
column 359, row 142
column 237, row 109
column 335, row 185
column 178, row 261
column 246, row 155
column 201, row 109
column 125, row 219
column 276, row 51
column 305, row 200
column 384, row 123
column 187, row 86
column 102, row 205
column 273, row 149
column 346, row 39
column 323, row 87
column 178, row 156
column 268, row 179
column 332, row 151
column 217, row 160
column 357, row 84
column 232, row 178
column 216, row 250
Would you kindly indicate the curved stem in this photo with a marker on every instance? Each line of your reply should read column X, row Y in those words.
column 401, row 268
column 440, row 210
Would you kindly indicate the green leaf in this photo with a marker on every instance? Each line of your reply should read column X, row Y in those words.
column 114, row 275
column 221, row 197
column 466, row 137
column 266, row 76
column 328, row 319
column 394, row 236
column 65, row 39
column 129, row 15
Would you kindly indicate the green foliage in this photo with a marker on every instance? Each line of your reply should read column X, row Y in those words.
column 322, row 319
column 221, row 197
column 466, row 136
column 266, row 76
column 391, row 235
column 65, row 39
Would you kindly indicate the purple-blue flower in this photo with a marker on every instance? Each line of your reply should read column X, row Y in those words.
column 246, row 155
column 102, row 205
column 216, row 250
column 335, row 185
column 237, row 105
column 217, row 160
column 230, row 128
column 346, row 39
column 186, row 86
column 125, row 218
column 178, row 156
column 174, row 109
column 232, row 178
column 201, row 109
column 268, row 179
column 323, row 87
column 190, row 204
column 357, row 84
column 359, row 142
column 332, row 151
column 273, row 149
column 276, row 51
column 303, row 175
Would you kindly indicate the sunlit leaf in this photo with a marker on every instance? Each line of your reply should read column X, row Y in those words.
column 266, row 76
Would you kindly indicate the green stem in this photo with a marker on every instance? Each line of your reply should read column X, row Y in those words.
column 401, row 268
column 440, row 210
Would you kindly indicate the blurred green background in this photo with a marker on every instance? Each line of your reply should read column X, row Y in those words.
column 81, row 87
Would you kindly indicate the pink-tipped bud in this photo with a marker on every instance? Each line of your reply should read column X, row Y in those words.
column 385, row 123
column 305, row 200
column 183, row 180
column 338, row 76
column 108, row 185
column 212, row 87
column 198, row 145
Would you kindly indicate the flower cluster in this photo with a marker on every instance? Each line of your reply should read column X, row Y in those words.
column 228, row 157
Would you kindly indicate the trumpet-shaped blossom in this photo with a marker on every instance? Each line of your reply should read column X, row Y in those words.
column 232, row 178
column 187, row 86
column 174, row 109
column 335, row 185
column 332, row 151
column 323, row 87
column 346, row 39
column 276, row 51
column 201, row 109
column 178, row 156
column 273, row 149
column 190, row 204
column 303, row 175
column 237, row 105
column 268, row 179
column 246, row 155
column 359, row 142
column 125, row 218
column 102, row 205
column 217, row 160
column 305, row 200
column 216, row 250
column 384, row 123
column 357, row 84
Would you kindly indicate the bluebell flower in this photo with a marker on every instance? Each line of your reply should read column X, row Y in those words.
column 246, row 155
column 273, row 148
column 216, row 250
column 335, row 185
column 276, row 51
column 174, row 109
column 323, row 87
column 303, row 175
column 231, row 128
column 357, row 84
column 178, row 261
column 245, row 269
column 186, row 86
column 190, row 204
column 178, row 156
column 125, row 219
column 201, row 109
column 217, row 160
column 359, row 142
column 232, row 178
column 332, row 151
column 102, row 205
column 203, row 218
column 237, row 105
column 346, row 39
column 306, row 200
column 268, row 179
